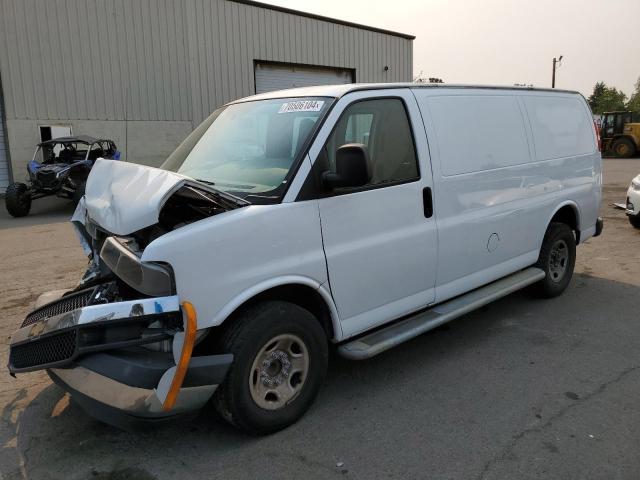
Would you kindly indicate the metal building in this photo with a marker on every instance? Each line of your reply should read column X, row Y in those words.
column 145, row 73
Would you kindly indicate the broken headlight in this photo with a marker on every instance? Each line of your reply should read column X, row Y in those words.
column 149, row 278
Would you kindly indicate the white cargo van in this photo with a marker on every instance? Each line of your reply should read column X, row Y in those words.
column 353, row 215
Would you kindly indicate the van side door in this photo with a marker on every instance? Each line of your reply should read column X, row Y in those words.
column 493, row 201
column 380, row 239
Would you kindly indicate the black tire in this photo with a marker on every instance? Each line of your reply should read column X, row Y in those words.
column 634, row 220
column 559, row 241
column 79, row 192
column 246, row 338
column 18, row 199
column 623, row 148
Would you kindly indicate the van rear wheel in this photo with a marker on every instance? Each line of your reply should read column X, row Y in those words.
column 557, row 259
column 280, row 359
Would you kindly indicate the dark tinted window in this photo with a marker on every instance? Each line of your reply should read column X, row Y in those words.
column 383, row 127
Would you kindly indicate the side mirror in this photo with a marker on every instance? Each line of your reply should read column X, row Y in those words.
column 352, row 168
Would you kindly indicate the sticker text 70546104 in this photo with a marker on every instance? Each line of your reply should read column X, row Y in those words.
column 301, row 106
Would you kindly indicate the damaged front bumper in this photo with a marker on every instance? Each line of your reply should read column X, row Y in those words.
column 120, row 388
column 124, row 361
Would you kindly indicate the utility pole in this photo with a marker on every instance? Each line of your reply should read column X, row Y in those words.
column 553, row 74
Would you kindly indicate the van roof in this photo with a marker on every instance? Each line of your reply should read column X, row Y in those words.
column 342, row 89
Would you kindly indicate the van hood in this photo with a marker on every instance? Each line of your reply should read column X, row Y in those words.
column 124, row 198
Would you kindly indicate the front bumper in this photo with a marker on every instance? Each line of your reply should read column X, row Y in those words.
column 58, row 333
column 94, row 351
column 119, row 388
column 633, row 201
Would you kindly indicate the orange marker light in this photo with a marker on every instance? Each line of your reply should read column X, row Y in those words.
column 190, row 327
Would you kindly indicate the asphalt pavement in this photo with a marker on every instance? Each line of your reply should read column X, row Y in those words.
column 521, row 389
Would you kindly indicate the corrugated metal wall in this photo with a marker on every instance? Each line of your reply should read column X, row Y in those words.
column 228, row 36
column 94, row 59
column 166, row 59
column 4, row 153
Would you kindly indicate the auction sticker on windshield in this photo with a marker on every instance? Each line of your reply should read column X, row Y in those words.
column 302, row 106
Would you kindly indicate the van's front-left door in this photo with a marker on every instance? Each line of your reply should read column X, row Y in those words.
column 380, row 240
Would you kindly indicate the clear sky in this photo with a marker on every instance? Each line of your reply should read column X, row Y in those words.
column 507, row 41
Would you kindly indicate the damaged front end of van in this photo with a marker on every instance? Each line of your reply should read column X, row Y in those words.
column 122, row 342
column 173, row 253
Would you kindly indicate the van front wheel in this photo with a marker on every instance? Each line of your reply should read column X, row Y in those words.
column 280, row 359
column 557, row 259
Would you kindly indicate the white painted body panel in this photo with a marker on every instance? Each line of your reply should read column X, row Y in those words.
column 633, row 194
column 124, row 197
column 372, row 255
column 507, row 192
column 381, row 251
column 222, row 261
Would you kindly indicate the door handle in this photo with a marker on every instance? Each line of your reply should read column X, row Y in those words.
column 427, row 202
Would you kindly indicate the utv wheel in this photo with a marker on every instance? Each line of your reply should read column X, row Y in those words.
column 634, row 220
column 280, row 359
column 18, row 199
column 79, row 192
column 557, row 258
column 623, row 148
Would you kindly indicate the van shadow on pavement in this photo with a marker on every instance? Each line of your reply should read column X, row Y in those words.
column 516, row 387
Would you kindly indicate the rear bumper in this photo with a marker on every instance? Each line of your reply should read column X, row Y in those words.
column 599, row 226
column 119, row 388
column 592, row 231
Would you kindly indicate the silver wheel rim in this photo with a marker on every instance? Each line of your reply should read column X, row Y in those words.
column 279, row 372
column 558, row 260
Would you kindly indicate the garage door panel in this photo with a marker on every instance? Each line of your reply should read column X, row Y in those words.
column 270, row 77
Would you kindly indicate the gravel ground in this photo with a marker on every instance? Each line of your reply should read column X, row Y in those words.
column 521, row 389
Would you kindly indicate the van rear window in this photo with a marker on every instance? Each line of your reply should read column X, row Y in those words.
column 561, row 126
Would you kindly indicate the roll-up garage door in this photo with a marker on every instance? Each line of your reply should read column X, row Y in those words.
column 4, row 156
column 270, row 77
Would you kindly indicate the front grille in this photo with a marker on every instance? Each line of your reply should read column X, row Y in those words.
column 47, row 177
column 51, row 349
column 65, row 304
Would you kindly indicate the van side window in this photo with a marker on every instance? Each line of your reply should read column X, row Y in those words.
column 383, row 127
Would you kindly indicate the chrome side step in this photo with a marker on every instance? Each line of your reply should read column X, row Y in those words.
column 385, row 338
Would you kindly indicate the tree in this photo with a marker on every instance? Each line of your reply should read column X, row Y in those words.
column 606, row 99
column 596, row 96
column 634, row 102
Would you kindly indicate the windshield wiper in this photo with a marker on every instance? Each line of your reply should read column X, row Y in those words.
column 204, row 181
column 220, row 193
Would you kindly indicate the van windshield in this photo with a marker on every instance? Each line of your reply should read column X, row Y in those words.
column 249, row 148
